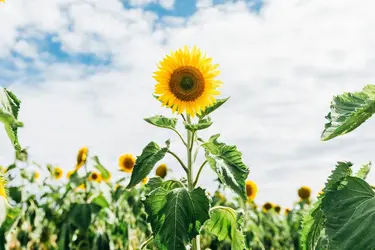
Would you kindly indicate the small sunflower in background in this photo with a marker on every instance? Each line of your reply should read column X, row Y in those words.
column 277, row 209
column 186, row 81
column 36, row 175
column 81, row 157
column 287, row 211
column 161, row 170
column 304, row 193
column 267, row 206
column 57, row 173
column 70, row 173
column 81, row 187
column 95, row 176
column 145, row 180
column 3, row 190
column 126, row 163
column 251, row 189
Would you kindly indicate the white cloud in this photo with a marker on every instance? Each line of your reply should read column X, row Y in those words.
column 281, row 68
column 204, row 3
column 25, row 49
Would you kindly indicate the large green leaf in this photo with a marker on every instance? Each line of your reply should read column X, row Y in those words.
column 80, row 215
column 313, row 221
column 9, row 107
column 162, row 121
column 348, row 111
column 227, row 163
column 212, row 108
column 223, row 224
column 202, row 124
column 151, row 154
column 103, row 171
column 64, row 237
column 350, row 215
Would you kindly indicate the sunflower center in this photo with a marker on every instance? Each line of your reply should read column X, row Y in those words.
column 187, row 83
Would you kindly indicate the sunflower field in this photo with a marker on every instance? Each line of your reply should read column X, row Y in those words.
column 88, row 208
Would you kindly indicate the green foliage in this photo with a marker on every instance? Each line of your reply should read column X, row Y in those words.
column 202, row 124
column 348, row 111
column 226, row 161
column 364, row 171
column 103, row 171
column 212, row 108
column 162, row 121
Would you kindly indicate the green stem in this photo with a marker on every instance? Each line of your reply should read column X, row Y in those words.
column 179, row 160
column 199, row 173
column 182, row 139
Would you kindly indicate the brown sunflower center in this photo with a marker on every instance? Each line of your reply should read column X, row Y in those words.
column 94, row 176
column 187, row 83
column 127, row 163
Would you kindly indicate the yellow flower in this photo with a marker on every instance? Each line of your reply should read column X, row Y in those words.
column 81, row 157
column 2, row 1
column 81, row 187
column 287, row 211
column 161, row 171
column 222, row 197
column 267, row 206
column 145, row 181
column 36, row 175
column 69, row 174
column 126, row 163
column 95, row 176
column 304, row 193
column 3, row 190
column 185, row 81
column 277, row 209
column 251, row 190
column 57, row 173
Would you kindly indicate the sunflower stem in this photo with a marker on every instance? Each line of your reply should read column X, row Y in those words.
column 199, row 173
column 179, row 160
column 182, row 139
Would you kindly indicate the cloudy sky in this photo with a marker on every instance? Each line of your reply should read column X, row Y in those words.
column 83, row 69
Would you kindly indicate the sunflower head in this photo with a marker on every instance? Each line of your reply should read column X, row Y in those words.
column 36, row 175
column 287, row 211
column 251, row 190
column 81, row 157
column 3, row 189
column 186, row 81
column 57, row 173
column 267, row 206
column 304, row 193
column 95, row 176
column 161, row 171
column 277, row 209
column 126, row 163
column 70, row 173
column 145, row 180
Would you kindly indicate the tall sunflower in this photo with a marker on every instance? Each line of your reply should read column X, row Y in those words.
column 81, row 157
column 267, row 206
column 304, row 193
column 251, row 190
column 126, row 163
column 57, row 173
column 95, row 176
column 186, row 81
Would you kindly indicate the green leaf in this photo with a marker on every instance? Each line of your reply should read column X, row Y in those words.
column 162, row 121
column 348, row 111
column 15, row 193
column 212, row 108
column 227, row 163
column 64, row 237
column 100, row 201
column 202, row 124
column 350, row 215
column 102, row 242
column 151, row 154
column 153, row 183
column 183, row 214
column 12, row 215
column 9, row 107
column 364, row 171
column 80, row 215
column 223, row 224
column 103, row 171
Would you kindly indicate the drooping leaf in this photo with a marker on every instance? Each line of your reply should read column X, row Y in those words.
column 103, row 171
column 350, row 215
column 80, row 215
column 162, row 121
column 9, row 107
column 202, row 124
column 100, row 201
column 226, row 161
column 212, row 108
column 348, row 111
column 151, row 154
column 223, row 224
column 364, row 171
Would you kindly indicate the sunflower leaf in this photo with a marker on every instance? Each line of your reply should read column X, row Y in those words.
column 9, row 107
column 223, row 224
column 350, row 215
column 103, row 171
column 348, row 111
column 151, row 154
column 162, row 121
column 202, row 124
column 364, row 171
column 226, row 161
column 178, row 215
column 212, row 108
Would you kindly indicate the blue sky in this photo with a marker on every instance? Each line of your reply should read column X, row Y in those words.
column 83, row 70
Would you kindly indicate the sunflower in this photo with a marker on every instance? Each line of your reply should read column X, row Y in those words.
column 36, row 175
column 3, row 190
column 145, row 180
column 251, row 190
column 267, row 206
column 185, row 81
column 81, row 187
column 126, row 163
column 304, row 193
column 57, row 173
column 277, row 209
column 161, row 171
column 287, row 211
column 81, row 157
column 70, row 173
column 95, row 176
